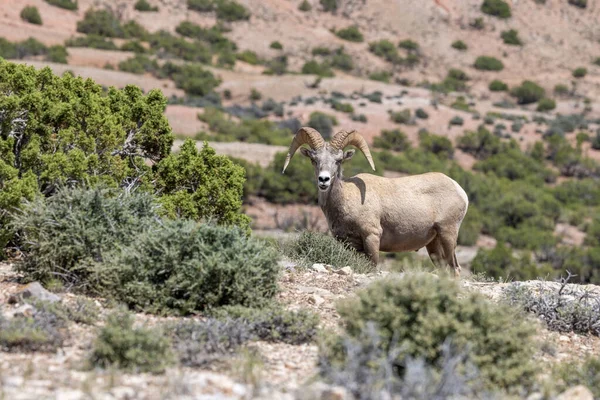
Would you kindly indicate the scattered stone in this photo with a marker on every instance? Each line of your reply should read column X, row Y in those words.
column 535, row 396
column 12, row 381
column 319, row 268
column 344, row 271
column 287, row 265
column 316, row 300
column 33, row 291
column 564, row 338
column 576, row 393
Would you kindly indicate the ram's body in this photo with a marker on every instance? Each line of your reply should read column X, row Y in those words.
column 374, row 213
column 405, row 214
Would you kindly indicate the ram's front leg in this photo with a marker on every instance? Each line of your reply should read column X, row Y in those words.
column 371, row 248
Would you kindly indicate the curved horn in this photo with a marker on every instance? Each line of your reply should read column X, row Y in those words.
column 305, row 135
column 353, row 138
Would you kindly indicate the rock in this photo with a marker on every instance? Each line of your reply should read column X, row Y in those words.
column 287, row 265
column 576, row 393
column 564, row 338
column 33, row 291
column 319, row 268
column 535, row 396
column 12, row 381
column 344, row 271
column 322, row 391
column 316, row 300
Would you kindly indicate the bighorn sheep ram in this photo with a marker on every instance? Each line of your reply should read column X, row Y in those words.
column 375, row 214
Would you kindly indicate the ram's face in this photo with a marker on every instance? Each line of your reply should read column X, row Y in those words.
column 327, row 162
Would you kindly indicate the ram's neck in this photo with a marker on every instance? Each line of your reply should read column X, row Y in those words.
column 331, row 197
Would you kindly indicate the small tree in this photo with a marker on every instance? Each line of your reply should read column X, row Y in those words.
column 498, row 86
column 528, row 92
column 276, row 45
column 31, row 15
column 579, row 72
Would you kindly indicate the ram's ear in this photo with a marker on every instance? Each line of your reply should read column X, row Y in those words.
column 349, row 154
column 306, row 152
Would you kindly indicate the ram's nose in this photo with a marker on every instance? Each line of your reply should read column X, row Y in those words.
column 324, row 180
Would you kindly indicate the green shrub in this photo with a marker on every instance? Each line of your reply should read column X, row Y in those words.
column 456, row 120
column 43, row 330
column 312, row 247
column 7, row 49
column 546, row 104
column 276, row 45
column 329, row 5
column 561, row 90
column 386, row 50
column 66, row 4
column 417, row 314
column 578, row 3
column 201, row 185
column 134, row 46
column 511, row 37
column 496, row 8
column 486, row 63
column 247, row 130
column 498, row 86
column 83, row 311
column 436, row 144
column 381, row 76
column 579, row 72
column 255, row 95
column 500, row 263
column 93, row 41
column 216, row 266
column 461, row 104
column 273, row 323
column 584, row 372
column 314, row 68
column 305, row 6
column 459, row 45
column 57, row 54
column 144, row 6
column 277, row 66
column 68, row 232
column 132, row 29
column 248, row 56
column 199, row 343
column 359, row 117
column 477, row 24
column 105, row 138
column 31, row 15
column 528, row 92
column 455, row 81
column 192, row 78
column 481, row 144
column 421, row 114
column 120, row 345
column 392, row 140
column 101, row 23
column 470, row 228
column 341, row 60
column 231, row 11
column 201, row 5
column 409, row 45
column 323, row 123
column 351, row 34
column 342, row 107
column 400, row 117
column 139, row 64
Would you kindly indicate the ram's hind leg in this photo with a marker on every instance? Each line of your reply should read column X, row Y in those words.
column 448, row 241
column 436, row 252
